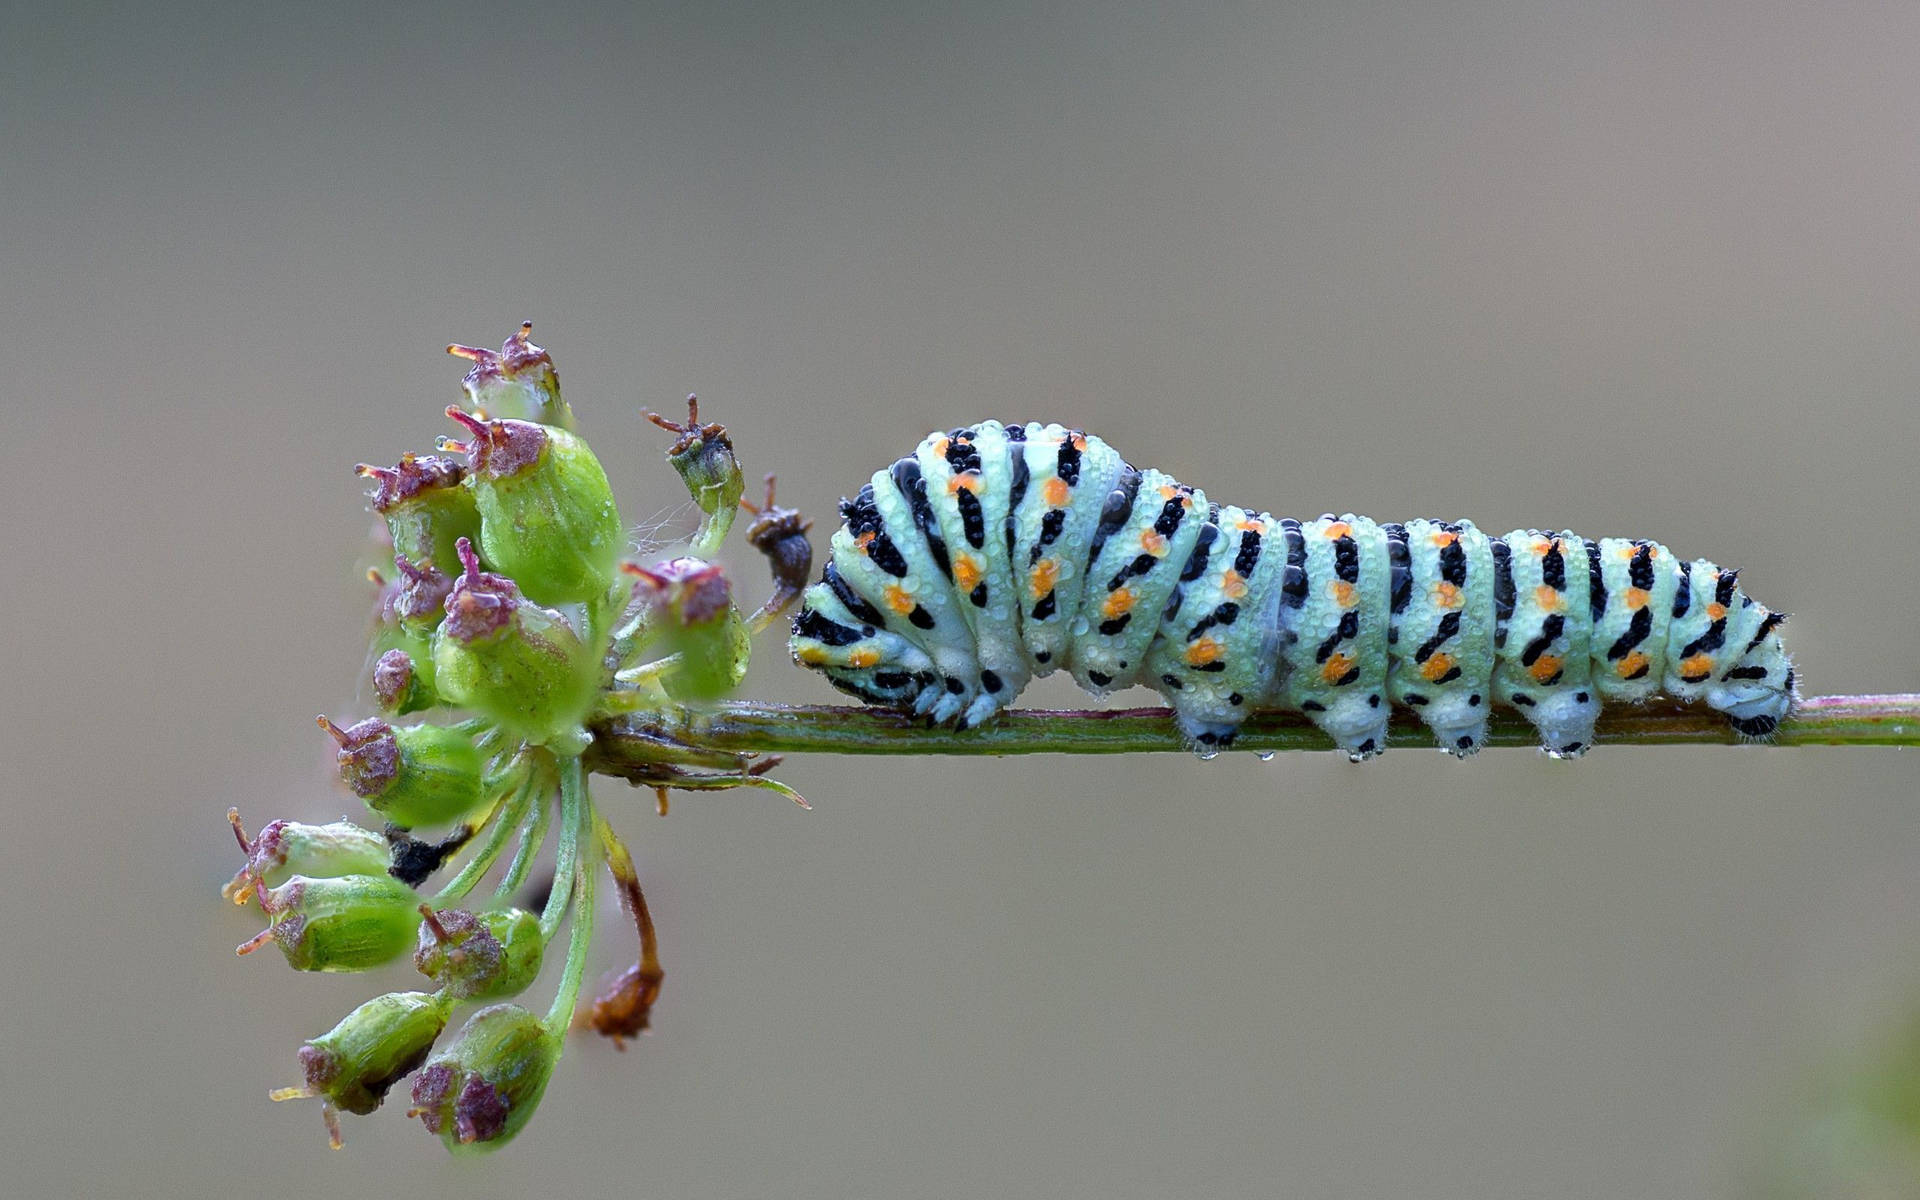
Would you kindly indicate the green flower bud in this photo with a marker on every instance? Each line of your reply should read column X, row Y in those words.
column 515, row 662
column 704, row 459
column 346, row 923
column 479, row 956
column 287, row 848
column 518, row 383
column 352, row 1065
column 427, row 506
column 689, row 611
column 479, row 1091
column 414, row 775
column 547, row 516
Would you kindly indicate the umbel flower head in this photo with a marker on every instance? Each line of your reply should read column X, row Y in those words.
column 506, row 618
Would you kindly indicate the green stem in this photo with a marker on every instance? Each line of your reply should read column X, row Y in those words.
column 576, row 809
column 566, row 859
column 629, row 745
column 533, row 837
column 501, row 822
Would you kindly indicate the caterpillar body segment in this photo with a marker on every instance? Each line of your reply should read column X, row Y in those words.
column 996, row 553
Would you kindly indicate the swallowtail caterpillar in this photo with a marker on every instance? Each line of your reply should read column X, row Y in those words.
column 995, row 553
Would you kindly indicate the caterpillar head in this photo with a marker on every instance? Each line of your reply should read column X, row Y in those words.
column 867, row 663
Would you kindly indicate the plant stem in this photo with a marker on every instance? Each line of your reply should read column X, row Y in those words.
column 627, row 745
column 504, row 818
column 576, row 810
column 566, row 858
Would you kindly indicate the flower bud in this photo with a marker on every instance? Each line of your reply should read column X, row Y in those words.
column 346, row 923
column 480, row 1090
column 704, row 459
column 352, row 1065
column 287, row 848
column 689, row 612
column 427, row 507
column 414, row 775
column 518, row 383
column 547, row 516
column 403, row 683
column 479, row 956
column 515, row 662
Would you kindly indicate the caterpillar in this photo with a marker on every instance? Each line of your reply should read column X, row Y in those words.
column 996, row 553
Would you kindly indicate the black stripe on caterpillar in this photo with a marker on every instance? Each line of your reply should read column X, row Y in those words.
column 995, row 553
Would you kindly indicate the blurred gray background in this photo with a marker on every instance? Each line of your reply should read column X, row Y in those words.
column 1647, row 269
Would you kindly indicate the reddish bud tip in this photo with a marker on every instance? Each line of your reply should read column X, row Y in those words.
column 411, row 476
column 466, row 420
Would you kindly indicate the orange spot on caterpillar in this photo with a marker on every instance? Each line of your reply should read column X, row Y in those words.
column 940, row 447
column 1436, row 666
column 1338, row 529
column 812, row 656
column 1694, row 669
column 1716, row 611
column 1168, row 491
column 966, row 572
column 1252, row 525
column 1445, row 538
column 1344, row 594
column 1119, row 602
column 1045, row 574
column 969, row 482
column 862, row 657
column 865, row 539
column 1335, row 668
column 1549, row 599
column 1153, row 543
column 1205, row 651
column 1057, row 493
column 1636, row 598
column 1446, row 595
column 1079, row 440
column 1631, row 665
column 898, row 600
column 1231, row 585
column 1545, row 667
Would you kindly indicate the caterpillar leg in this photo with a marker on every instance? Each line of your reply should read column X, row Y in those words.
column 1441, row 636
column 1334, row 621
column 1544, row 636
column 1216, row 655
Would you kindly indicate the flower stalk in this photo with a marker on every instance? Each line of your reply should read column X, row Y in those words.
column 629, row 745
